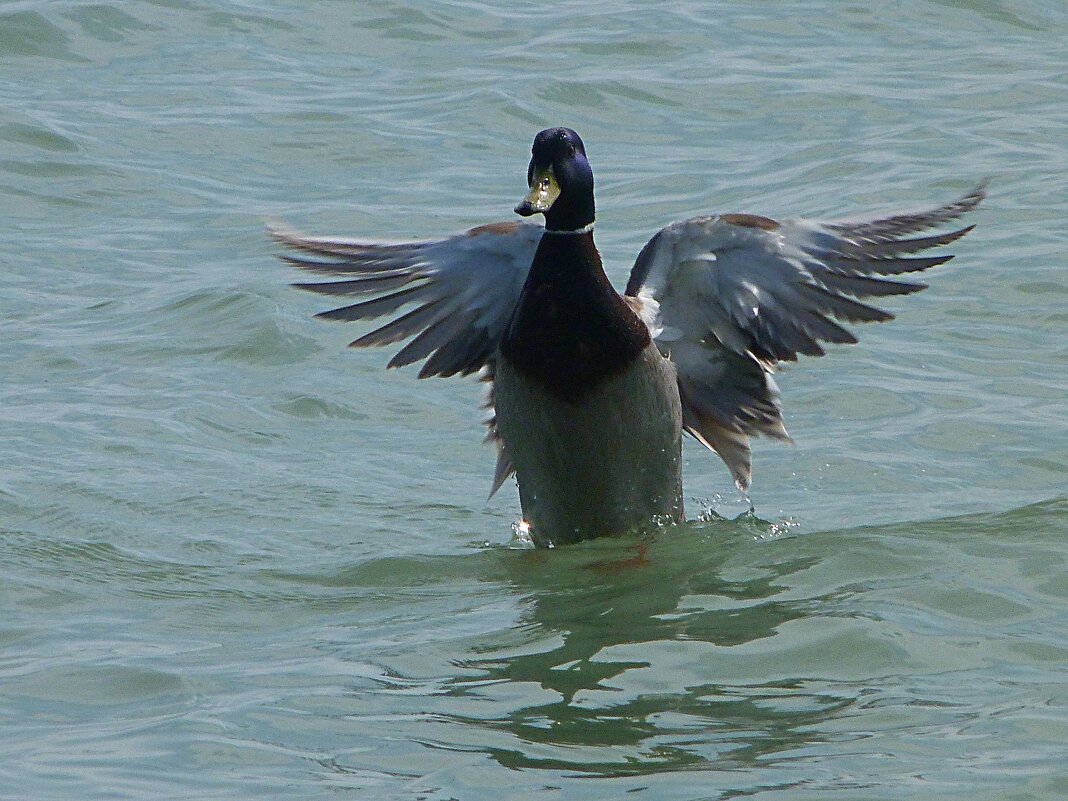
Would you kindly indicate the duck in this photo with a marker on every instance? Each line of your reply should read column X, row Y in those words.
column 590, row 390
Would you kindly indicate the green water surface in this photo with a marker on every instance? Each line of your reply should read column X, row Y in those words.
column 238, row 561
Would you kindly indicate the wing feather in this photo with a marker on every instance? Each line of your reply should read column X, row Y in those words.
column 365, row 285
column 853, row 265
column 731, row 296
column 862, row 286
column 376, row 307
column 418, row 319
column 464, row 289
column 431, row 339
column 895, row 226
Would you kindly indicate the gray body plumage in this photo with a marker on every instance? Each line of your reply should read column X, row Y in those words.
column 607, row 463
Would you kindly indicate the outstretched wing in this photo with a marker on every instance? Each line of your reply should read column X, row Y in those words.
column 463, row 289
column 732, row 295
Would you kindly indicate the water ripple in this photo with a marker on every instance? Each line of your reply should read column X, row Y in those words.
column 241, row 560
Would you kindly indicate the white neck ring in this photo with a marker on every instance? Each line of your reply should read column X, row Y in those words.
column 583, row 230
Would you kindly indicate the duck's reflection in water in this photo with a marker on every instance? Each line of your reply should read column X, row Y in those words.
column 627, row 660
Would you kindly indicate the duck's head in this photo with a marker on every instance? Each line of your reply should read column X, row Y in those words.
column 560, row 181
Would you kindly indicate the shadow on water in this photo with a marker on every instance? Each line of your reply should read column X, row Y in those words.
column 618, row 629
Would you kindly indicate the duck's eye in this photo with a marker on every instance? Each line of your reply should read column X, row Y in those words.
column 544, row 185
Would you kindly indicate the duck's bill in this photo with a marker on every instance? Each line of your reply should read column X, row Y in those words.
column 543, row 193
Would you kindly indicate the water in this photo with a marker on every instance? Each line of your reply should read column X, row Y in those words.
column 239, row 561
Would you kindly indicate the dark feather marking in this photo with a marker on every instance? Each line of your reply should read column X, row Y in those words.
column 842, row 307
column 353, row 266
column 900, row 247
column 861, row 286
column 401, row 328
column 478, row 357
column 913, row 264
column 783, row 345
column 460, row 355
column 827, row 330
column 435, row 336
column 361, row 286
column 387, row 304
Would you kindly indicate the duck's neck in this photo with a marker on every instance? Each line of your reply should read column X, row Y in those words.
column 568, row 257
column 573, row 213
column 571, row 329
column 567, row 275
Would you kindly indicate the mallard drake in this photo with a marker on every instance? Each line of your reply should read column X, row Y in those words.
column 590, row 390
